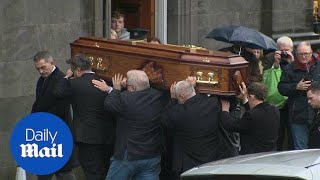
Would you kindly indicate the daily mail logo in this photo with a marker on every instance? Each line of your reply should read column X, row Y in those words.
column 41, row 143
column 32, row 150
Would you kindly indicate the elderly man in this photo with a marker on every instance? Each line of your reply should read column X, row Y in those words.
column 94, row 127
column 295, row 80
column 117, row 24
column 314, row 100
column 138, row 108
column 258, row 127
column 279, row 59
column 282, row 56
column 194, row 122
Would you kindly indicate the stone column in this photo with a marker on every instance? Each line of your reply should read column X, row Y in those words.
column 161, row 20
column 179, row 22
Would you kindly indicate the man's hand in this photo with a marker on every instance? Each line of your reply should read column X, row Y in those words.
column 225, row 105
column 192, row 80
column 290, row 58
column 69, row 73
column 102, row 85
column 116, row 81
column 303, row 85
column 277, row 59
column 243, row 93
column 124, row 82
column 172, row 91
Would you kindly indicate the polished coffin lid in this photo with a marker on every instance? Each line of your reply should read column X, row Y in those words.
column 169, row 62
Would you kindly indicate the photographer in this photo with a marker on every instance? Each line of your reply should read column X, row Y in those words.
column 278, row 60
column 295, row 80
column 282, row 56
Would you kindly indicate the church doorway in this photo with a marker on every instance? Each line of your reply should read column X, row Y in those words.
column 138, row 14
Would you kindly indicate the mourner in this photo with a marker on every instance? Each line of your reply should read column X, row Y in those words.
column 258, row 127
column 137, row 110
column 93, row 126
column 278, row 60
column 117, row 24
column 193, row 119
column 47, row 102
column 314, row 100
column 281, row 57
column 295, row 80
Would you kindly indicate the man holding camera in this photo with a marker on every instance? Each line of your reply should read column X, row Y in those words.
column 279, row 59
column 295, row 80
column 282, row 56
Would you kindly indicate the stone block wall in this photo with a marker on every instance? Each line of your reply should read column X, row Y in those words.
column 196, row 18
column 292, row 16
column 189, row 21
column 27, row 26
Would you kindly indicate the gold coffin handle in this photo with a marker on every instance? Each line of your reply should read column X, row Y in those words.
column 99, row 64
column 210, row 78
column 91, row 60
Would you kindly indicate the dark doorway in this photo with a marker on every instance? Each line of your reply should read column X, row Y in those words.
column 139, row 13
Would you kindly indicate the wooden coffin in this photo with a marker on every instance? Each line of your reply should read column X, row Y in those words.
column 217, row 72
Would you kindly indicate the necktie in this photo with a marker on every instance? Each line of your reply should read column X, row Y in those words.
column 45, row 80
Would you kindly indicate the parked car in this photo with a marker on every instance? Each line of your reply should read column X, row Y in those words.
column 285, row 165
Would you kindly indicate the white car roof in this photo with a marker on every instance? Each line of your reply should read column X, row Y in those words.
column 277, row 164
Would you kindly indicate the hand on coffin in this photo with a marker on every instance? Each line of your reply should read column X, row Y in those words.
column 102, row 85
column 172, row 90
column 124, row 82
column 69, row 73
column 117, row 81
column 192, row 80
column 243, row 93
column 225, row 105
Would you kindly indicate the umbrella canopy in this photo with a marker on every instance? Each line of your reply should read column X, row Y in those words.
column 243, row 36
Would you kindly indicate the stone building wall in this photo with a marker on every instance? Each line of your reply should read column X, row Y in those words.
column 189, row 21
column 27, row 26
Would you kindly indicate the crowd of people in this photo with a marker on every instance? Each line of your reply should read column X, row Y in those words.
column 130, row 130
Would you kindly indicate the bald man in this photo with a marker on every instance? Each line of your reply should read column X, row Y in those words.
column 194, row 120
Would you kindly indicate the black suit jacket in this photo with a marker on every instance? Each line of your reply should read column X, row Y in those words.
column 195, row 128
column 258, row 128
column 92, row 124
column 45, row 99
column 47, row 102
column 138, row 122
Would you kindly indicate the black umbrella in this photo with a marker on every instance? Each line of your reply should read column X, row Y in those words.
column 243, row 36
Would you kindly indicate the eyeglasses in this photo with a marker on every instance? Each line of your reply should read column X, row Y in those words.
column 306, row 54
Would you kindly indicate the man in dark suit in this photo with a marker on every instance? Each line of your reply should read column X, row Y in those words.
column 137, row 148
column 259, row 125
column 47, row 102
column 193, row 120
column 313, row 95
column 93, row 126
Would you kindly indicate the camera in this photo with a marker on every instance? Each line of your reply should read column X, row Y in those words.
column 284, row 55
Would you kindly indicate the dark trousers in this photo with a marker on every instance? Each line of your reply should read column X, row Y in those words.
column 95, row 159
column 284, row 130
column 60, row 175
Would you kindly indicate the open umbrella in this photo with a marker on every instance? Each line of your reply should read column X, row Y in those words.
column 243, row 36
